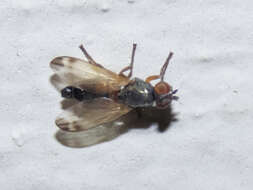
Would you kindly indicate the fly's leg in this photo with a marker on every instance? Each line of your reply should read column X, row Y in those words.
column 162, row 72
column 130, row 67
column 88, row 57
column 164, row 67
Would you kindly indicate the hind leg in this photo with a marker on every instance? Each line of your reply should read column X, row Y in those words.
column 88, row 57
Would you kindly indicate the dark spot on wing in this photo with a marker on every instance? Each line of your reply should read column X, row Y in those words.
column 62, row 123
column 77, row 127
column 58, row 61
column 65, row 128
column 71, row 59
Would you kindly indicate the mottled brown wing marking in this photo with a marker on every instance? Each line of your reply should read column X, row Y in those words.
column 82, row 74
column 99, row 134
column 88, row 114
column 72, row 60
column 59, row 64
column 57, row 82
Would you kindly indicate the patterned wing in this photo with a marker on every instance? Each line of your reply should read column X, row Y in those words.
column 89, row 114
column 79, row 73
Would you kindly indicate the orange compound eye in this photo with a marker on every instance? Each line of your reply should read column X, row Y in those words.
column 162, row 88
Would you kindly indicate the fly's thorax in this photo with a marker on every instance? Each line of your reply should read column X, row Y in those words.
column 137, row 93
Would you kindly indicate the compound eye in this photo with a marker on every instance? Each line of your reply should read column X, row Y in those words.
column 162, row 88
column 67, row 92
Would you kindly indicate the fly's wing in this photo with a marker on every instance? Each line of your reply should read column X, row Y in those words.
column 79, row 73
column 58, row 82
column 99, row 134
column 88, row 114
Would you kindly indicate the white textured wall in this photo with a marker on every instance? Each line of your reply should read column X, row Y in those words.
column 211, row 145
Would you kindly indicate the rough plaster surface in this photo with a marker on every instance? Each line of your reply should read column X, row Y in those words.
column 209, row 147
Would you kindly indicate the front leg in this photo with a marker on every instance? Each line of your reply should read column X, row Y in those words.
column 130, row 67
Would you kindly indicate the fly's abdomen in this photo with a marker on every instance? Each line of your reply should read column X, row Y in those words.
column 79, row 94
column 137, row 93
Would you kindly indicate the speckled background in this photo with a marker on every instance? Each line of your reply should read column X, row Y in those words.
column 209, row 147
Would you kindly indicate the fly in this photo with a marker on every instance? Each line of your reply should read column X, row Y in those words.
column 103, row 95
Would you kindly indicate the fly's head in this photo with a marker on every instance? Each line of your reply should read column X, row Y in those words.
column 163, row 92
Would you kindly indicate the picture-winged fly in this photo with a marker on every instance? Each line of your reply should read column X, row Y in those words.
column 104, row 95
